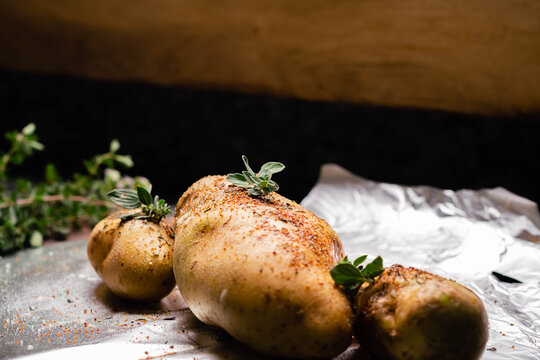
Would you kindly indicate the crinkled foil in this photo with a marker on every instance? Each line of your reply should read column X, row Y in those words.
column 463, row 235
column 54, row 306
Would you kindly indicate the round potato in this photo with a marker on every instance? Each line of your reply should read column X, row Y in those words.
column 133, row 257
column 410, row 314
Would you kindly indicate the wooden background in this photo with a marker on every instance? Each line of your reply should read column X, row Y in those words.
column 479, row 56
column 433, row 92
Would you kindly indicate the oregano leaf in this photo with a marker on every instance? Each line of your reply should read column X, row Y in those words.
column 36, row 239
column 29, row 129
column 350, row 276
column 359, row 260
column 272, row 167
column 144, row 196
column 260, row 183
column 246, row 164
column 115, row 146
column 238, row 180
column 345, row 273
column 375, row 268
column 127, row 199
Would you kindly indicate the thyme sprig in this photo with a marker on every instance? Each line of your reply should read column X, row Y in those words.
column 350, row 276
column 23, row 144
column 260, row 183
column 31, row 211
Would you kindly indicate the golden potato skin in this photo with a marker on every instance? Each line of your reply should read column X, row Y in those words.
column 410, row 314
column 259, row 269
column 133, row 257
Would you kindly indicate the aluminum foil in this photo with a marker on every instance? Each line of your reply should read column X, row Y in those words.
column 54, row 306
column 463, row 235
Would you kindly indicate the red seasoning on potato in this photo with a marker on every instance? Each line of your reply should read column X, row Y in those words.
column 133, row 257
column 258, row 267
column 131, row 250
column 410, row 314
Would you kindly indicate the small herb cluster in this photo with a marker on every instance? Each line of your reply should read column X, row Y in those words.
column 30, row 212
column 153, row 210
column 260, row 183
column 352, row 275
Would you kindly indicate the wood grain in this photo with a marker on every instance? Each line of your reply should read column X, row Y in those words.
column 479, row 56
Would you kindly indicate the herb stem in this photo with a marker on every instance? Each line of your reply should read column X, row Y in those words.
column 55, row 198
column 5, row 159
column 99, row 161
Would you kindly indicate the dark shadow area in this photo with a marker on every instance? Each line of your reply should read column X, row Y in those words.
column 117, row 304
column 171, row 303
column 179, row 135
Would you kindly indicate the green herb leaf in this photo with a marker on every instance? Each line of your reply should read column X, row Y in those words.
column 373, row 269
column 29, row 129
column 35, row 145
column 254, row 191
column 238, row 180
column 13, row 218
column 125, row 160
column 350, row 276
column 251, row 178
column 30, row 212
column 115, row 146
column 345, row 273
column 260, row 183
column 36, row 239
column 51, row 175
column 144, row 196
column 127, row 199
column 271, row 168
column 130, row 199
column 272, row 186
column 360, row 260
column 246, row 164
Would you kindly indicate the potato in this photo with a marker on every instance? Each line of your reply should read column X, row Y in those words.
column 133, row 257
column 410, row 314
column 259, row 269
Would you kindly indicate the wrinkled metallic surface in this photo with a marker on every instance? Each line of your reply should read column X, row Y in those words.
column 54, row 306
column 463, row 235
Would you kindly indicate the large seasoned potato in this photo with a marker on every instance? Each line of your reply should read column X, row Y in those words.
column 133, row 257
column 410, row 314
column 259, row 268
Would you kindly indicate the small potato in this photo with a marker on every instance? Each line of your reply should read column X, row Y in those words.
column 133, row 257
column 410, row 314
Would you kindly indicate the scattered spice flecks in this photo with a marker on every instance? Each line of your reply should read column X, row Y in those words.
column 72, row 325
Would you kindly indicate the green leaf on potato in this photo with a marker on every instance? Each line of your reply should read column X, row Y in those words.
column 257, row 184
column 144, row 196
column 350, row 276
column 125, row 198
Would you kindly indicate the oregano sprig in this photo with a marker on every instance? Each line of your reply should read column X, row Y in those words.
column 351, row 276
column 23, row 144
column 32, row 211
column 260, row 183
column 151, row 209
column 108, row 159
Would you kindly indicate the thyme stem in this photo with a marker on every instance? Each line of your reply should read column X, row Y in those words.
column 55, row 198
